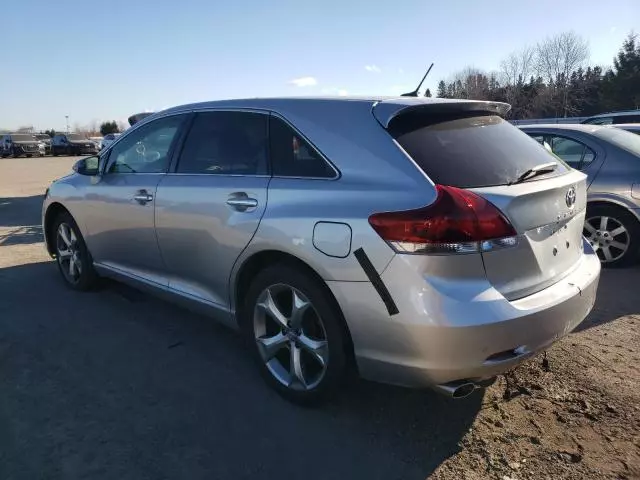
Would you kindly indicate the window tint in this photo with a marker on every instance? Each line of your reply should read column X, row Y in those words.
column 576, row 154
column 292, row 156
column 146, row 150
column 626, row 119
column 226, row 143
column 470, row 151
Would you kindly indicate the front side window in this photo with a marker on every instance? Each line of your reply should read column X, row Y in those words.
column 147, row 149
column 292, row 156
column 226, row 143
column 576, row 154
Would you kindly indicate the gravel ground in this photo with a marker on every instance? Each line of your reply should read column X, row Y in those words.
column 117, row 384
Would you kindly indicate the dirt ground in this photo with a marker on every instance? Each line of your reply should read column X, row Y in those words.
column 116, row 384
column 577, row 417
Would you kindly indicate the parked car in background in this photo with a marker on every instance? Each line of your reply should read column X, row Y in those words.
column 108, row 140
column 630, row 127
column 97, row 141
column 610, row 157
column 19, row 144
column 422, row 242
column 612, row 118
column 46, row 141
column 72, row 144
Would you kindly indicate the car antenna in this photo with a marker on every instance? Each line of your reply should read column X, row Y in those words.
column 415, row 92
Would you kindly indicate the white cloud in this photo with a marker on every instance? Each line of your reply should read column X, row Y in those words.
column 304, row 82
column 372, row 68
column 342, row 92
column 401, row 71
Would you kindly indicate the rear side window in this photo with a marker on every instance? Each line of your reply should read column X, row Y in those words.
column 292, row 156
column 226, row 143
column 470, row 151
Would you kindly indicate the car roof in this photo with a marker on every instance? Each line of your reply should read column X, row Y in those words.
column 616, row 114
column 385, row 108
column 576, row 127
column 630, row 126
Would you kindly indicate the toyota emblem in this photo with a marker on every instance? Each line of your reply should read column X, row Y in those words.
column 570, row 197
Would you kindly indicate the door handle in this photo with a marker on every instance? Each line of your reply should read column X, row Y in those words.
column 143, row 197
column 241, row 201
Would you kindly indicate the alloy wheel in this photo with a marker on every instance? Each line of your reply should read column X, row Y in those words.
column 68, row 253
column 291, row 338
column 609, row 238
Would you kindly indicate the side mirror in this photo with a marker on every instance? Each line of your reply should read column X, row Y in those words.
column 87, row 166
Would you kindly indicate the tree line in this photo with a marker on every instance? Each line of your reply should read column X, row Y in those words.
column 553, row 79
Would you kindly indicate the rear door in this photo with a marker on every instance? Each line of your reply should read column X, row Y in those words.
column 209, row 207
column 486, row 154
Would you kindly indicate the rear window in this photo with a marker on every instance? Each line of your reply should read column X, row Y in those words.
column 620, row 138
column 471, row 151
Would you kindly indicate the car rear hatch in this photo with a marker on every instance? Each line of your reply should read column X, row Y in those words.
column 533, row 235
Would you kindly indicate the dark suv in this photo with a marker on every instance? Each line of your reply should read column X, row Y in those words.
column 17, row 144
column 72, row 144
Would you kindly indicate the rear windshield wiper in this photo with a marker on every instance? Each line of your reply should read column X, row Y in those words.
column 535, row 171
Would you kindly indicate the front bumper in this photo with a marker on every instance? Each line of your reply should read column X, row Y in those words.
column 465, row 332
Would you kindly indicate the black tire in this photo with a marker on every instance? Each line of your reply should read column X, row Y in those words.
column 616, row 215
column 332, row 328
column 87, row 277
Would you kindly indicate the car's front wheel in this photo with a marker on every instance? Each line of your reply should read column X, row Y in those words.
column 72, row 256
column 614, row 234
column 296, row 334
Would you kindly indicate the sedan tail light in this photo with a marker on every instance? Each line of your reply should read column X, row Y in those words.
column 459, row 221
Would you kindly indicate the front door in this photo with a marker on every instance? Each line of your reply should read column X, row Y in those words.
column 208, row 210
column 120, row 220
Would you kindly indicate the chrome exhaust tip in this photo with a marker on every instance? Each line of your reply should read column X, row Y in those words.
column 457, row 389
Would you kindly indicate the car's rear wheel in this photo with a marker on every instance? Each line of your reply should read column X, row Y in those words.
column 296, row 334
column 72, row 256
column 614, row 234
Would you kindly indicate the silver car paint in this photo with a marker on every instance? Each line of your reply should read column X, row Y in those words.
column 613, row 172
column 191, row 246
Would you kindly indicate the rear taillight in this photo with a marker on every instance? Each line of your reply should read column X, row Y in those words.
column 459, row 221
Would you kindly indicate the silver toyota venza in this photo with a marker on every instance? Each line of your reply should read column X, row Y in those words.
column 415, row 241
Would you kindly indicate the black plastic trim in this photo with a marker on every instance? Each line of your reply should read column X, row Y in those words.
column 376, row 281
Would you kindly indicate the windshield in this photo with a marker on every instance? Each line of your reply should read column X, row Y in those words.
column 74, row 137
column 620, row 138
column 23, row 138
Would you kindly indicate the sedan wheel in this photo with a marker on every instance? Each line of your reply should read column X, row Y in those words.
column 68, row 253
column 73, row 258
column 297, row 333
column 613, row 234
column 290, row 337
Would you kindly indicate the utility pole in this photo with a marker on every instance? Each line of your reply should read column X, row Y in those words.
column 67, row 119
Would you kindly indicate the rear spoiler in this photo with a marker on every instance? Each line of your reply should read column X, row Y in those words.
column 386, row 111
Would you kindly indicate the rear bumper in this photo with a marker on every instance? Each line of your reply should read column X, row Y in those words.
column 442, row 334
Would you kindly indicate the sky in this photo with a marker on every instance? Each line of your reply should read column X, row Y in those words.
column 96, row 61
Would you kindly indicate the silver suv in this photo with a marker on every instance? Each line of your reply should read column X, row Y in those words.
column 418, row 242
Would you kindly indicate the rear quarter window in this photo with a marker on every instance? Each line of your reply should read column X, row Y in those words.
column 470, row 151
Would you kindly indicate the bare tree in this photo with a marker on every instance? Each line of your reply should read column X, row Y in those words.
column 557, row 58
column 518, row 66
column 560, row 55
